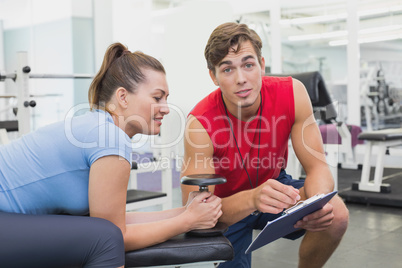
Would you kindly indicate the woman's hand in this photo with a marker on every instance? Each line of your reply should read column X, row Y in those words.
column 191, row 196
column 203, row 210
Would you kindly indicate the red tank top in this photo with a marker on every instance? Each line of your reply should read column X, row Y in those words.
column 277, row 117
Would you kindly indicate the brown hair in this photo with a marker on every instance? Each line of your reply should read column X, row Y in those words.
column 120, row 68
column 224, row 37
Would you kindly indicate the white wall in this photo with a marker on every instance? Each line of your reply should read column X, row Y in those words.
column 23, row 13
column 126, row 21
column 132, row 23
column 103, row 29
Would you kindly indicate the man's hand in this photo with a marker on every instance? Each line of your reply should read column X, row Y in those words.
column 317, row 221
column 273, row 197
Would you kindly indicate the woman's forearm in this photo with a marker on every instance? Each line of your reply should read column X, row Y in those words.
column 141, row 235
column 135, row 217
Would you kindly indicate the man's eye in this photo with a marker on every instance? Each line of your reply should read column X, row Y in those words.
column 249, row 65
column 227, row 70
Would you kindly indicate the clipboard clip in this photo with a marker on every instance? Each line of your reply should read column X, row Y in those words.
column 301, row 204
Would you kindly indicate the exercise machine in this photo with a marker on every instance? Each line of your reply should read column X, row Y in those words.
column 24, row 100
column 380, row 107
column 381, row 101
column 339, row 138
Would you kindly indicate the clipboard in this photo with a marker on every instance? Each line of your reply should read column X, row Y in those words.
column 283, row 225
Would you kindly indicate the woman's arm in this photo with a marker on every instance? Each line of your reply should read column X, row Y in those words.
column 144, row 217
column 134, row 217
column 107, row 193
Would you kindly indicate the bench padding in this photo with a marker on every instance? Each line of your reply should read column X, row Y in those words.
column 182, row 249
column 382, row 135
column 134, row 195
column 330, row 134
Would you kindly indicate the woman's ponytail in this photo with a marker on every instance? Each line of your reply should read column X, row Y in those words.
column 120, row 68
column 97, row 93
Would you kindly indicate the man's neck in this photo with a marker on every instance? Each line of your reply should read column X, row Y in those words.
column 244, row 113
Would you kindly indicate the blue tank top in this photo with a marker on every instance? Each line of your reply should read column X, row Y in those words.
column 47, row 171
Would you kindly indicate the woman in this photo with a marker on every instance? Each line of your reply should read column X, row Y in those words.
column 82, row 165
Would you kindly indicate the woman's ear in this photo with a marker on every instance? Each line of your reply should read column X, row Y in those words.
column 121, row 97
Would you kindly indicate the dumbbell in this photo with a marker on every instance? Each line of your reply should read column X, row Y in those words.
column 203, row 181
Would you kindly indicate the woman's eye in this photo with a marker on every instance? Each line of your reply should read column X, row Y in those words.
column 157, row 99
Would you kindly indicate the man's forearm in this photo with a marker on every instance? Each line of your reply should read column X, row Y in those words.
column 318, row 181
column 236, row 207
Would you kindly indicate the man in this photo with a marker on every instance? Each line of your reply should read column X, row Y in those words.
column 241, row 131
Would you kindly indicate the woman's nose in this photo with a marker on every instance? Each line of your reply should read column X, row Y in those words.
column 165, row 108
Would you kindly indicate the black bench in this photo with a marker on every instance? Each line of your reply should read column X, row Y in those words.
column 182, row 249
column 10, row 125
column 7, row 126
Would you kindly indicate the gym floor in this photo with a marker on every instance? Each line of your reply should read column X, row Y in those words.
column 373, row 239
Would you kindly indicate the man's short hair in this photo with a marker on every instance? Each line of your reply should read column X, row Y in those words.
column 224, row 37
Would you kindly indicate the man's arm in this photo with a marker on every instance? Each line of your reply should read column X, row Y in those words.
column 271, row 197
column 198, row 152
column 308, row 145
